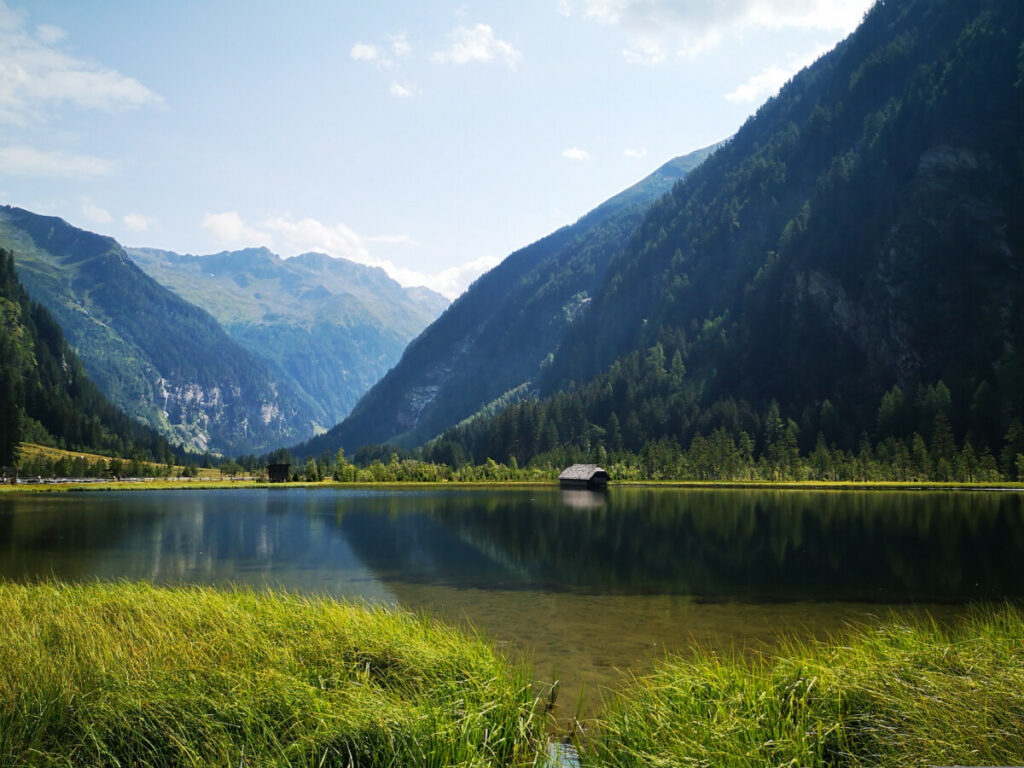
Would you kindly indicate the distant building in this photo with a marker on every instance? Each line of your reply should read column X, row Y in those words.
column 583, row 476
column 278, row 473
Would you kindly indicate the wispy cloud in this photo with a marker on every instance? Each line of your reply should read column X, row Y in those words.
column 228, row 229
column 476, row 44
column 28, row 162
column 400, row 91
column 136, row 222
column 635, row 153
column 768, row 81
column 291, row 236
column 364, row 52
column 657, row 28
column 96, row 214
column 38, row 76
column 400, row 47
column 575, row 153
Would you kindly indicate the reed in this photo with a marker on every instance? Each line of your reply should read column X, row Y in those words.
column 128, row 674
column 897, row 694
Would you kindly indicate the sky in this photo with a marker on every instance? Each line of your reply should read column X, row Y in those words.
column 428, row 138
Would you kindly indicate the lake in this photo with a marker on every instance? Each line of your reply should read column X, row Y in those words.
column 586, row 584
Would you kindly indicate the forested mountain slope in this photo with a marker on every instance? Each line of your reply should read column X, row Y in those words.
column 162, row 360
column 496, row 336
column 45, row 395
column 848, row 266
column 328, row 327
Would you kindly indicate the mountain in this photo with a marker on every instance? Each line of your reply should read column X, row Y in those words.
column 45, row 394
column 162, row 360
column 327, row 327
column 491, row 343
column 846, row 269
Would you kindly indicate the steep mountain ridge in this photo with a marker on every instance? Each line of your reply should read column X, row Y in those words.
column 328, row 327
column 847, row 267
column 45, row 394
column 164, row 361
column 491, row 343
column 851, row 226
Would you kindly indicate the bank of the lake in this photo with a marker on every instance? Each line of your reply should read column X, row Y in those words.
column 763, row 485
column 131, row 674
column 896, row 694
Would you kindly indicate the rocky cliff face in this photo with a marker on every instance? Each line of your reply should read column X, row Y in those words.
column 162, row 360
column 328, row 328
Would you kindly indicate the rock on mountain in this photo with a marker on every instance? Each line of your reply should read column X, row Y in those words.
column 162, row 360
column 328, row 327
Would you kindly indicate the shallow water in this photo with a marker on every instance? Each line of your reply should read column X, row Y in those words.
column 585, row 584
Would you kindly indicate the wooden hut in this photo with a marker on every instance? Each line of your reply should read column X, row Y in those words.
column 278, row 473
column 583, row 476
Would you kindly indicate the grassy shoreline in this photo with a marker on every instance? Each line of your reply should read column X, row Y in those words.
column 898, row 694
column 132, row 674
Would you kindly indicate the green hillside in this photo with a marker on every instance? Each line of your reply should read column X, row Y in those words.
column 44, row 391
column 328, row 327
column 843, row 275
column 491, row 344
column 162, row 360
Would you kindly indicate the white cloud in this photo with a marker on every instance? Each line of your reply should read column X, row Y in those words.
column 48, row 34
column 136, row 222
column 768, row 81
column 294, row 236
column 309, row 234
column 645, row 51
column 575, row 153
column 33, row 163
column 229, row 230
column 400, row 91
column 36, row 75
column 96, row 214
column 635, row 153
column 390, row 239
column 364, row 52
column 688, row 27
column 450, row 282
column 765, row 83
column 400, row 46
column 478, row 43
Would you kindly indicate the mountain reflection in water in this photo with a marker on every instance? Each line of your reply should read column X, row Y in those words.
column 877, row 547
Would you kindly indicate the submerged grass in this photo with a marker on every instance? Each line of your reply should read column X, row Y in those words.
column 130, row 674
column 897, row 694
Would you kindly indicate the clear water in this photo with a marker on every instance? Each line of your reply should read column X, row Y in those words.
column 585, row 584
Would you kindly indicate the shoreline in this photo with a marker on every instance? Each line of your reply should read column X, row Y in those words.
column 92, row 486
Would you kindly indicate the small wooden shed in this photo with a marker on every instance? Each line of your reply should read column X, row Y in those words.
column 278, row 473
column 583, row 476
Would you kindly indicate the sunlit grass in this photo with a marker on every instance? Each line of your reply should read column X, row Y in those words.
column 894, row 695
column 130, row 674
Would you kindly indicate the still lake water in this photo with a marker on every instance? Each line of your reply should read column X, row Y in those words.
column 585, row 584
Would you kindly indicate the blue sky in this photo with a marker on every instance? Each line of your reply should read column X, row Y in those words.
column 429, row 138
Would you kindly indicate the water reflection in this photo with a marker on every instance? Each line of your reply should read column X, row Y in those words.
column 711, row 545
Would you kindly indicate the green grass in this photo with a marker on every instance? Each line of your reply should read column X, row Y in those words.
column 130, row 674
column 891, row 695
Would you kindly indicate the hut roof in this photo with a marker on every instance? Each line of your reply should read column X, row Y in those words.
column 581, row 472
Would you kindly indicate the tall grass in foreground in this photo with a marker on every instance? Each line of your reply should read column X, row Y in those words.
column 893, row 695
column 129, row 674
